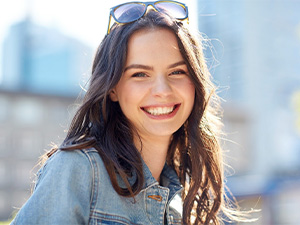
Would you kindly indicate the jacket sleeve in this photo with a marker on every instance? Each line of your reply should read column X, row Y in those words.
column 62, row 194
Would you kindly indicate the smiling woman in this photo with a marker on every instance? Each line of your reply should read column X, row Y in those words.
column 143, row 146
column 155, row 92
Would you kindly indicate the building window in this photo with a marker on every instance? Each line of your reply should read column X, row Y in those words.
column 4, row 106
column 4, row 209
column 27, row 143
column 28, row 111
column 24, row 174
column 4, row 148
column 4, row 177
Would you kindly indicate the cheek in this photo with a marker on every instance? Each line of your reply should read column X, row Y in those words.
column 189, row 95
column 128, row 95
column 187, row 90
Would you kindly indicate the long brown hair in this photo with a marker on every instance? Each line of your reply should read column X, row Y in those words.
column 194, row 151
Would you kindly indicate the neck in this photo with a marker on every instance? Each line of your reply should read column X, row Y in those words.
column 154, row 153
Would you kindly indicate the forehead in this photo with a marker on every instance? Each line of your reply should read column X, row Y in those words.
column 153, row 44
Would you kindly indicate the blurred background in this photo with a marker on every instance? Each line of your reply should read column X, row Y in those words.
column 46, row 51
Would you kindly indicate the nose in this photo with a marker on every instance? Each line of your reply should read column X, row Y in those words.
column 161, row 87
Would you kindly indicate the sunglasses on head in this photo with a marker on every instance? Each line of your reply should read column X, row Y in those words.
column 132, row 11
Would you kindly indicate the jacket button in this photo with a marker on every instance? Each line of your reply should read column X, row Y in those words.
column 155, row 197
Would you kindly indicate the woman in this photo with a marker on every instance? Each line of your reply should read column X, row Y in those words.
column 142, row 148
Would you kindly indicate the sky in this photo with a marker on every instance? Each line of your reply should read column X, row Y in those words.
column 75, row 18
column 86, row 20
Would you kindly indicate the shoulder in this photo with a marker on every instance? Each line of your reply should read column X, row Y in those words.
column 71, row 156
column 64, row 191
column 70, row 165
column 82, row 158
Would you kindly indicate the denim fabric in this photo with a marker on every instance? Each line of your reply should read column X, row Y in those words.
column 73, row 187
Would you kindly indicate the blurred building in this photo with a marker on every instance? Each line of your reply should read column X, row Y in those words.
column 257, row 45
column 42, row 73
column 29, row 123
column 42, row 60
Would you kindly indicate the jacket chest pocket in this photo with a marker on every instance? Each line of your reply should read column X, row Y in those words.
column 107, row 222
column 109, row 219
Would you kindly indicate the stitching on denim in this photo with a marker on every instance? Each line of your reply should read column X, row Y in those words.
column 95, row 179
column 111, row 217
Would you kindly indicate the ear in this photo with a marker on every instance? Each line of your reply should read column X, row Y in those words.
column 113, row 95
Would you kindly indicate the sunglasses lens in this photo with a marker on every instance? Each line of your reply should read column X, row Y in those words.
column 129, row 12
column 172, row 9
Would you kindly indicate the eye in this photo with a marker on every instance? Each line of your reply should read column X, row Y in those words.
column 178, row 72
column 139, row 74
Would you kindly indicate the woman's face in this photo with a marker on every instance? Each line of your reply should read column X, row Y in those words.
column 155, row 91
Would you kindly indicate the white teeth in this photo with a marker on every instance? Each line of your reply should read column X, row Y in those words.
column 159, row 110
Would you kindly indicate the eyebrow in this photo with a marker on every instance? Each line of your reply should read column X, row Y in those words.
column 176, row 64
column 138, row 66
column 141, row 66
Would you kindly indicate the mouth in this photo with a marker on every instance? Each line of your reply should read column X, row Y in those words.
column 159, row 111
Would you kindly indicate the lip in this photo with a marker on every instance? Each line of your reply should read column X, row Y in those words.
column 165, row 116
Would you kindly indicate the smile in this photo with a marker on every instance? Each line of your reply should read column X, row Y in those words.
column 158, row 111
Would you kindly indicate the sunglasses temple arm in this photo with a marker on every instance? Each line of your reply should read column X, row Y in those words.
column 109, row 21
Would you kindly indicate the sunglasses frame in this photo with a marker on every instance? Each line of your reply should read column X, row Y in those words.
column 146, row 4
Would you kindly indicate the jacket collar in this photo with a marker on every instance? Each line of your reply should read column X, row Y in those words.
column 169, row 179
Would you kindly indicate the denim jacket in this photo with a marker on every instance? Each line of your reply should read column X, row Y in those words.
column 73, row 187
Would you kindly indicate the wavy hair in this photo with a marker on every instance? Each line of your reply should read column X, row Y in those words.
column 194, row 151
